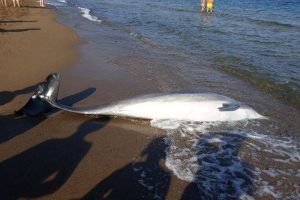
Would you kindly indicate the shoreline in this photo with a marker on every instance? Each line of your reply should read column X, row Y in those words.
column 285, row 91
column 73, row 154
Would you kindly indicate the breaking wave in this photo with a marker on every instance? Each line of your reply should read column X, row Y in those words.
column 86, row 13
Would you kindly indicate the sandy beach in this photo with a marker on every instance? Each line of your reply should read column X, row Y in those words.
column 59, row 155
column 33, row 45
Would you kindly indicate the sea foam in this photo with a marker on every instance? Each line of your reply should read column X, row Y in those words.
column 86, row 13
column 232, row 159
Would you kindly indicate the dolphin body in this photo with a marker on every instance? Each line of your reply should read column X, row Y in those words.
column 177, row 106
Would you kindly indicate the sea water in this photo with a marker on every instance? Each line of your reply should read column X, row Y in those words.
column 256, row 40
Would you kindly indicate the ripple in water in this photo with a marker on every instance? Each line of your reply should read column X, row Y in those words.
column 233, row 160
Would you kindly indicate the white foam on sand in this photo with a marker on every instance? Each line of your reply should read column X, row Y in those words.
column 229, row 159
column 86, row 13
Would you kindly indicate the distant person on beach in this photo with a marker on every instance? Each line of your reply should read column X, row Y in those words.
column 42, row 3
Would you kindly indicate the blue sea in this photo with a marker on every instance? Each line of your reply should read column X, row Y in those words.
column 256, row 40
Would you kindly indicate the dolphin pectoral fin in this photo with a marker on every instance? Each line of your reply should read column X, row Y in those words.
column 229, row 107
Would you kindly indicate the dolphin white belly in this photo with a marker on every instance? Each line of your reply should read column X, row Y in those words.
column 179, row 106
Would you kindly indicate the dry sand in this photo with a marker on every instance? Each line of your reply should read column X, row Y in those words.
column 32, row 45
column 61, row 155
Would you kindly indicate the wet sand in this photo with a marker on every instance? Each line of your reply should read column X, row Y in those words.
column 66, row 156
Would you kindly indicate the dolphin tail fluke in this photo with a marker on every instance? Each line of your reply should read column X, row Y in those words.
column 46, row 92
column 48, row 89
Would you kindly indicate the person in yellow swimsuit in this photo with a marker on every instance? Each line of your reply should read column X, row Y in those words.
column 209, row 5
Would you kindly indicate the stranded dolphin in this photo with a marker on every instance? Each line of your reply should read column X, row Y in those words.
column 179, row 106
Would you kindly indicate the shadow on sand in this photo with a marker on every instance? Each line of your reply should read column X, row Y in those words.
column 18, row 30
column 47, row 166
column 7, row 96
column 16, row 21
column 140, row 180
column 12, row 125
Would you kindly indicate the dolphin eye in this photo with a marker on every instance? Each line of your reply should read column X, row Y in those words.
column 229, row 107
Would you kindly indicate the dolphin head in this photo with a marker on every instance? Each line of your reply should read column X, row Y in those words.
column 249, row 113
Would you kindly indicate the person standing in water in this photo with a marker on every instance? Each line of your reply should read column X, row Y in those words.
column 203, row 5
column 209, row 5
